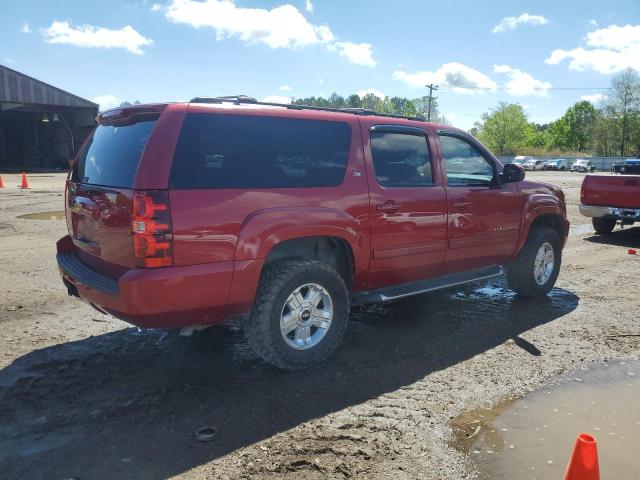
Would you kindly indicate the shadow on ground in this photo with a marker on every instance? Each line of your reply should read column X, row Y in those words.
column 126, row 404
column 628, row 237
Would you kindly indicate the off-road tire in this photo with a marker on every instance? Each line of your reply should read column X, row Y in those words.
column 520, row 274
column 262, row 328
column 603, row 225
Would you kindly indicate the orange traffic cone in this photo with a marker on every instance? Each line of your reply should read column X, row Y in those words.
column 1, row 182
column 25, row 183
column 583, row 464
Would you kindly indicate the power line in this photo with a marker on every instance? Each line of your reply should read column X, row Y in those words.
column 504, row 87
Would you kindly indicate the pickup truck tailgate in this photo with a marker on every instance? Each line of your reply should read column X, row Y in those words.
column 611, row 191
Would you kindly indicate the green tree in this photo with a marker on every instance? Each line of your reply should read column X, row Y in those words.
column 623, row 106
column 504, row 129
column 354, row 101
column 581, row 119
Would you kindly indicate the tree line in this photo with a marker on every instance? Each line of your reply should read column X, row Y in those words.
column 417, row 107
column 610, row 128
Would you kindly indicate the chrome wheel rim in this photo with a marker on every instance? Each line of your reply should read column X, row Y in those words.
column 544, row 263
column 306, row 316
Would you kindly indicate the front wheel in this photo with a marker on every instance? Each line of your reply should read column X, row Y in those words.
column 535, row 271
column 603, row 225
column 300, row 314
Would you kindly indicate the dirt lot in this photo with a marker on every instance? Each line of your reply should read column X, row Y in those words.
column 86, row 396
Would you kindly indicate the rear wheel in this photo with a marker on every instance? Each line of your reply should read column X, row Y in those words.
column 300, row 314
column 536, row 269
column 603, row 225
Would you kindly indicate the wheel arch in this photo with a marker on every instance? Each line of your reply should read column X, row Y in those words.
column 548, row 215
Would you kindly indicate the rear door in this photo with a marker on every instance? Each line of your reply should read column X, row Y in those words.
column 408, row 205
column 99, row 192
column 484, row 216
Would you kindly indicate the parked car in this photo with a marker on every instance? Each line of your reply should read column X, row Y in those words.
column 582, row 165
column 285, row 217
column 609, row 199
column 534, row 164
column 521, row 159
column 557, row 164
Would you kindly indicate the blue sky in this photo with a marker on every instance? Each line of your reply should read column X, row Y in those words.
column 479, row 52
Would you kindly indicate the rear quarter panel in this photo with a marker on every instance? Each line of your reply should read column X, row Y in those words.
column 242, row 225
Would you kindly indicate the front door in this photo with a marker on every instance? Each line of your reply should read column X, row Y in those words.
column 484, row 215
column 408, row 205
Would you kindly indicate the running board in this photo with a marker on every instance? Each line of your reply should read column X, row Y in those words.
column 415, row 288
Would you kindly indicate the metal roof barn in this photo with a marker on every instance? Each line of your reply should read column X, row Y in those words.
column 41, row 126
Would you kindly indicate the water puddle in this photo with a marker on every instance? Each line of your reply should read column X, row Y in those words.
column 57, row 215
column 581, row 229
column 532, row 437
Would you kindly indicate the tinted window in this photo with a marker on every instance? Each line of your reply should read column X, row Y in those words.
column 463, row 164
column 238, row 151
column 111, row 157
column 401, row 160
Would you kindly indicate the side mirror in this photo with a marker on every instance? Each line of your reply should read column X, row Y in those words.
column 512, row 173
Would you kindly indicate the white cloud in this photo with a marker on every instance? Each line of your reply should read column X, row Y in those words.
column 521, row 83
column 284, row 88
column 8, row 60
column 96, row 37
column 156, row 7
column 283, row 26
column 613, row 49
column 25, row 28
column 308, row 6
column 276, row 99
column 321, row 81
column 371, row 91
column 511, row 23
column 596, row 98
column 358, row 53
column 593, row 23
column 456, row 76
column 106, row 101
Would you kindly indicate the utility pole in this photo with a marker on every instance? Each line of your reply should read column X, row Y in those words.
column 431, row 88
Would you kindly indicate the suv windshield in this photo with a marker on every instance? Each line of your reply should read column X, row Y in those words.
column 111, row 155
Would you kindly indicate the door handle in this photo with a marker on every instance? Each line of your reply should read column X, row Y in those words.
column 388, row 207
column 460, row 205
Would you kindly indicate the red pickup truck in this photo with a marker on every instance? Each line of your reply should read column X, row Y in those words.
column 609, row 199
column 285, row 216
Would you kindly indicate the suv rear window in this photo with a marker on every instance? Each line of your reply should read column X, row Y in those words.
column 111, row 156
column 239, row 151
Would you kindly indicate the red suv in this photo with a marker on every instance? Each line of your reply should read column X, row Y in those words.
column 285, row 216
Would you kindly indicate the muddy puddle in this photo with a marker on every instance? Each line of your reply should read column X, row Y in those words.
column 56, row 215
column 532, row 437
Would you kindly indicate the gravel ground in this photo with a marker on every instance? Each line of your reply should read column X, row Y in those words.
column 87, row 396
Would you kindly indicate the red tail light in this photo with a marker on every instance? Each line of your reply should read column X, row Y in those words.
column 151, row 227
column 583, row 190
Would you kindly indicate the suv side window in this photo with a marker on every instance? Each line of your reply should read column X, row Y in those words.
column 242, row 151
column 464, row 165
column 401, row 159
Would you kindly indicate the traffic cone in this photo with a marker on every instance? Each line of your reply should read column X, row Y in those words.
column 583, row 464
column 25, row 183
column 1, row 182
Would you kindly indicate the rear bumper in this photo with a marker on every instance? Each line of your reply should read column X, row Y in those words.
column 171, row 297
column 632, row 214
